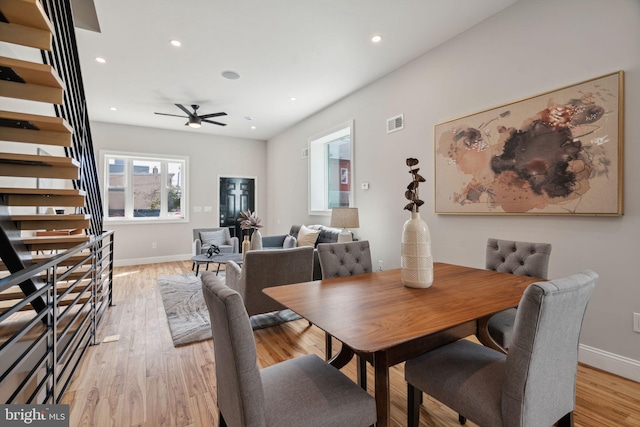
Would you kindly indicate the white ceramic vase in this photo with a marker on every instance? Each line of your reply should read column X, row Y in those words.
column 416, row 261
column 256, row 240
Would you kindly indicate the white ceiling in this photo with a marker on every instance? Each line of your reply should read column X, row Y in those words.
column 317, row 51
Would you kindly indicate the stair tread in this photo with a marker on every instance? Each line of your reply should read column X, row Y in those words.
column 39, row 160
column 61, row 303
column 50, row 217
column 14, row 292
column 28, row 13
column 33, row 72
column 43, row 123
column 73, row 238
column 43, row 191
column 71, row 260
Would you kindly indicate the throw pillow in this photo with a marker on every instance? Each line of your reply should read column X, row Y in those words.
column 289, row 242
column 217, row 237
column 307, row 236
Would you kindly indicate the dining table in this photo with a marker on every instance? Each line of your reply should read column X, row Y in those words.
column 376, row 317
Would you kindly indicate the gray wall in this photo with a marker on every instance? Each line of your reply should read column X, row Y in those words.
column 529, row 48
column 209, row 158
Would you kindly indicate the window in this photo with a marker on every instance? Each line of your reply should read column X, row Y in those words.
column 331, row 170
column 144, row 188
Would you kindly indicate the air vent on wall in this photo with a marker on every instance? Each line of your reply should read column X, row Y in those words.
column 395, row 123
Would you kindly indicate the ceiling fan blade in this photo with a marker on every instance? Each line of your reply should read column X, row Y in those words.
column 206, row 116
column 215, row 123
column 183, row 108
column 172, row 115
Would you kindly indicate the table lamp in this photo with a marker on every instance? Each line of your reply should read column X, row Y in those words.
column 345, row 218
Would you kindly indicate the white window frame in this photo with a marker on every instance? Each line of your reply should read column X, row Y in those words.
column 129, row 158
column 318, row 201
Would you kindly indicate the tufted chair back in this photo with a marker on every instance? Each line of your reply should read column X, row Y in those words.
column 522, row 258
column 344, row 259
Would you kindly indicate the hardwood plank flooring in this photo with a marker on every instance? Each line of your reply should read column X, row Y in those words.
column 142, row 380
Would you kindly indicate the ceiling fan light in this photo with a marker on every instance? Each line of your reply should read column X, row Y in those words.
column 194, row 122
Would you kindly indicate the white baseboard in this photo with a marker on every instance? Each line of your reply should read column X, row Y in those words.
column 618, row 365
column 151, row 260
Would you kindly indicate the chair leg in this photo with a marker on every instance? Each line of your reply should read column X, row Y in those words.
column 566, row 421
column 222, row 422
column 414, row 399
column 327, row 346
column 362, row 372
column 462, row 420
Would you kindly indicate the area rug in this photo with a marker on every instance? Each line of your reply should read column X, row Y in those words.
column 187, row 312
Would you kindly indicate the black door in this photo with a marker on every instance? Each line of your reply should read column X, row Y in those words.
column 236, row 194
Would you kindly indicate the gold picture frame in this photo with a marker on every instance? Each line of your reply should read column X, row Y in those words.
column 557, row 153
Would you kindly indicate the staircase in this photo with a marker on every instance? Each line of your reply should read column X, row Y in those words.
column 56, row 261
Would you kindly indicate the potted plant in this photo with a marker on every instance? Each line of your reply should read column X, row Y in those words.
column 249, row 221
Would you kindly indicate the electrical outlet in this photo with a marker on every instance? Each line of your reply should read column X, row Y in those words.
column 636, row 322
column 380, row 265
column 154, row 245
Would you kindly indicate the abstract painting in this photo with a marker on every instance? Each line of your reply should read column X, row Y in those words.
column 558, row 153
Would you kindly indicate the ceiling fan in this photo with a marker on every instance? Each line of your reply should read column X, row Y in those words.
column 195, row 120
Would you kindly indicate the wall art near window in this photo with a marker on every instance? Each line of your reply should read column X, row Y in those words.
column 558, row 153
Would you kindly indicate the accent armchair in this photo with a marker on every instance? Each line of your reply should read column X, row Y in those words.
column 263, row 269
column 533, row 384
column 301, row 391
column 220, row 236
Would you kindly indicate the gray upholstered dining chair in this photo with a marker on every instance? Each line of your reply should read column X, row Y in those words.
column 523, row 258
column 340, row 260
column 532, row 385
column 263, row 269
column 300, row 391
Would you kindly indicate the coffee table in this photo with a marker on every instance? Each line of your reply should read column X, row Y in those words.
column 218, row 259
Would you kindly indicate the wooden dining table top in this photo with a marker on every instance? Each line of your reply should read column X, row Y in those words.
column 374, row 311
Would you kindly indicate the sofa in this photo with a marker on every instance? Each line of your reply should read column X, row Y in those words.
column 220, row 236
column 327, row 235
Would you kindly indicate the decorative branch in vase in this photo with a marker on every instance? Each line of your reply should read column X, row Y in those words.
column 412, row 192
column 249, row 221
column 416, row 261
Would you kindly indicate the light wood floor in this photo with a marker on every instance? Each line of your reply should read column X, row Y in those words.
column 142, row 380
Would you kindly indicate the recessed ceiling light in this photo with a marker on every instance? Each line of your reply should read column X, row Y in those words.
column 292, row 98
column 231, row 75
column 100, row 60
column 175, row 43
column 376, row 39
column 253, row 127
column 113, row 109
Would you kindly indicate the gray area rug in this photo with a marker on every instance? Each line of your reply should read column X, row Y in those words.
column 187, row 312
